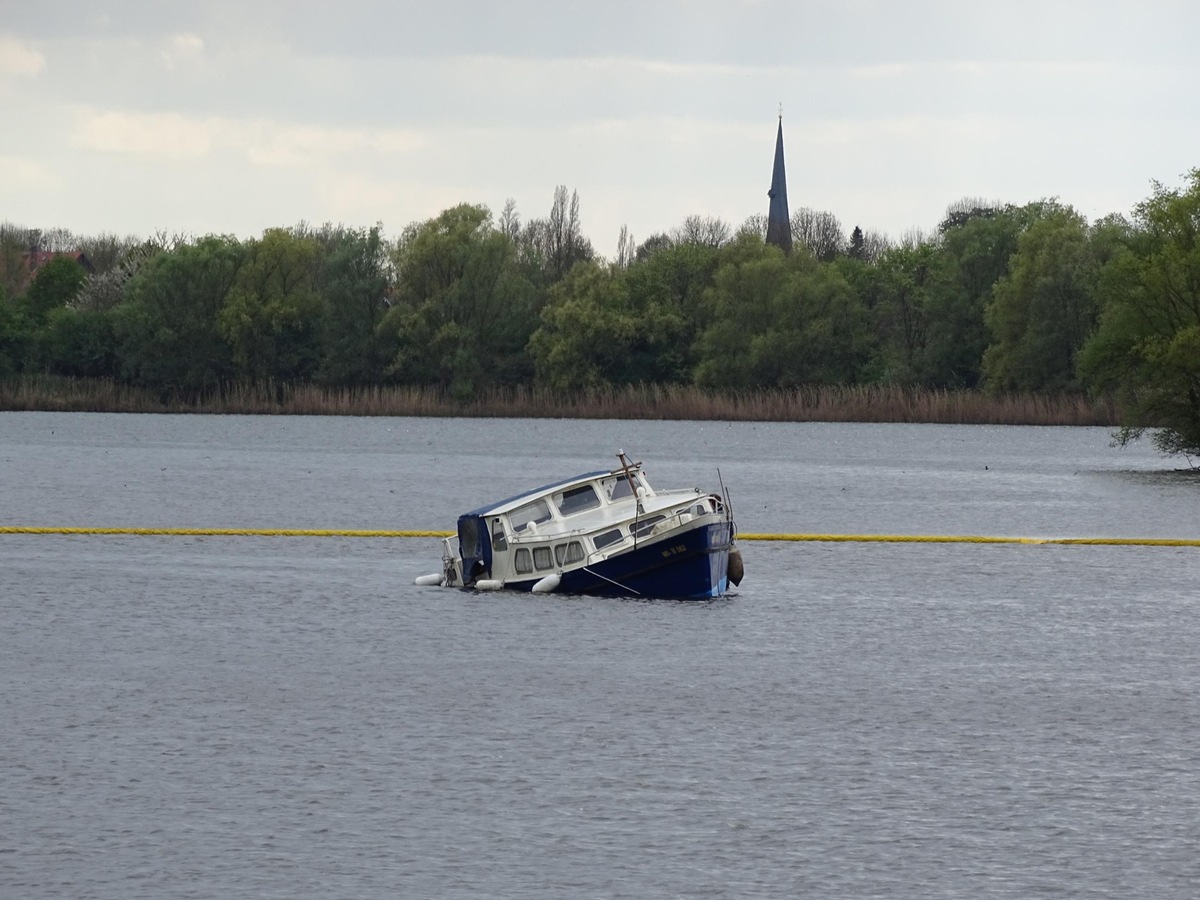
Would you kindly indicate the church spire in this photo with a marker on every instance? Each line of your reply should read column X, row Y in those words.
column 779, row 224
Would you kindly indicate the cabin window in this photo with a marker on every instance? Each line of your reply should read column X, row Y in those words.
column 643, row 527
column 568, row 553
column 577, row 500
column 541, row 558
column 523, row 562
column 536, row 512
column 605, row 538
column 499, row 541
column 620, row 487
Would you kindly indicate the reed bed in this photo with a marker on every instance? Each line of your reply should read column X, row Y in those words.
column 854, row 403
column 47, row 393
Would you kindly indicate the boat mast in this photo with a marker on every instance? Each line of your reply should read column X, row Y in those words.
column 625, row 467
column 637, row 500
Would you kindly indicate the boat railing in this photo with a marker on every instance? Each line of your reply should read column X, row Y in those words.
column 675, row 518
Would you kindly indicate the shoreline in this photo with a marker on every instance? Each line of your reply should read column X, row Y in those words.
column 854, row 403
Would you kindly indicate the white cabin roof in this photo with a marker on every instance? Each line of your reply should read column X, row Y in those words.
column 511, row 503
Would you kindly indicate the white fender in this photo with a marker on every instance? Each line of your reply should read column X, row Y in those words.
column 488, row 584
column 427, row 580
column 547, row 584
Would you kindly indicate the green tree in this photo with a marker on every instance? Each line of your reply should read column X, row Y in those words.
column 167, row 328
column 858, row 245
column 898, row 291
column 979, row 243
column 53, row 287
column 585, row 332
column 55, row 284
column 1146, row 351
column 781, row 321
column 670, row 288
column 652, row 245
column 354, row 284
column 271, row 315
column 1044, row 308
column 609, row 326
column 464, row 309
column 12, row 336
column 80, row 342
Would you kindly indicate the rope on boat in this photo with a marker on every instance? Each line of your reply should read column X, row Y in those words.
column 610, row 581
column 742, row 536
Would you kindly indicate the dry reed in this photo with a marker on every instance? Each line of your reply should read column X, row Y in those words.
column 854, row 403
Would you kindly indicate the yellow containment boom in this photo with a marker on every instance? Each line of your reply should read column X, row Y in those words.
column 808, row 538
column 226, row 532
column 970, row 539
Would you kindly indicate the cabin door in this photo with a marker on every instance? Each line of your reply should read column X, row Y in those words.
column 500, row 564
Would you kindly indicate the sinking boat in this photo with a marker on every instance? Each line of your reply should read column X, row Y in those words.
column 607, row 533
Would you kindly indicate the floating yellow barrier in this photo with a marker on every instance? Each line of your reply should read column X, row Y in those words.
column 225, row 532
column 810, row 538
column 969, row 539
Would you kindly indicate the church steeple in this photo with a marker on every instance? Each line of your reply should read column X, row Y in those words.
column 779, row 223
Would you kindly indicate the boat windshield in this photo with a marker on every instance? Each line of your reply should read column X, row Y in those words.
column 577, row 500
column 536, row 512
column 619, row 487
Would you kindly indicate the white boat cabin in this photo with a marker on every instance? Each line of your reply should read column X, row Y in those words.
column 571, row 524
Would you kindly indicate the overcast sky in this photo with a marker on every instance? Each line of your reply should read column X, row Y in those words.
column 232, row 117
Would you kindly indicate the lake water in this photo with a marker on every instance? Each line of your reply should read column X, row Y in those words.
column 291, row 717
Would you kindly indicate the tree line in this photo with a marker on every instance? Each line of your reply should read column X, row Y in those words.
column 998, row 297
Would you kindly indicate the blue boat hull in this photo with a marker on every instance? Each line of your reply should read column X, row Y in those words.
column 692, row 565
